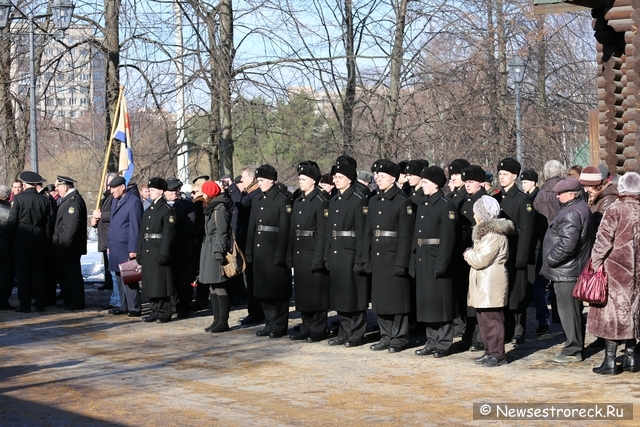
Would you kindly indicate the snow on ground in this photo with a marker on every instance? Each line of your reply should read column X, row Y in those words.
column 92, row 268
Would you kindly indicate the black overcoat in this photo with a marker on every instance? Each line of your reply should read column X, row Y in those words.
column 70, row 229
column 28, row 224
column 390, row 211
column 348, row 292
column 157, row 280
column 435, row 296
column 518, row 207
column 306, row 253
column 182, row 244
column 268, row 249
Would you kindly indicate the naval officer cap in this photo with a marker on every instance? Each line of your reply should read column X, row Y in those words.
column 61, row 179
column 202, row 177
column 31, row 178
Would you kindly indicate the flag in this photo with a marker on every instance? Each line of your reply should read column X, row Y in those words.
column 123, row 134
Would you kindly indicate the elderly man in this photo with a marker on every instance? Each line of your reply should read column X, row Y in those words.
column 70, row 242
column 566, row 251
column 6, row 262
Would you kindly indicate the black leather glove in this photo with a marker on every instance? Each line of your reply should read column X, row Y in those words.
column 163, row 260
column 412, row 273
column 367, row 267
column 280, row 262
column 248, row 258
column 359, row 269
column 399, row 271
column 289, row 264
column 317, row 268
column 521, row 265
column 326, row 265
column 438, row 274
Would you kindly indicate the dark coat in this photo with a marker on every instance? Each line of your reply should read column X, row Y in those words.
column 600, row 202
column 518, row 207
column 268, row 249
column 70, row 230
column 29, row 225
column 102, row 227
column 215, row 244
column 389, row 211
column 567, row 244
column 124, row 228
column 5, row 209
column 618, row 247
column 157, row 280
column 546, row 202
column 306, row 253
column 417, row 196
column 182, row 243
column 241, row 212
column 435, row 295
column 458, row 195
column 348, row 292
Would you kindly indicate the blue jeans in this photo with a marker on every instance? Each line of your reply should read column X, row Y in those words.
column 115, row 300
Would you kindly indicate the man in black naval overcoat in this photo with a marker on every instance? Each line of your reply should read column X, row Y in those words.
column 387, row 248
column 432, row 256
column 517, row 207
column 458, row 192
column 348, row 283
column 69, row 242
column 306, row 254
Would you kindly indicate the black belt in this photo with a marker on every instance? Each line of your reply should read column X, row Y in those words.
column 381, row 233
column 335, row 233
column 425, row 242
column 152, row 236
column 305, row 233
column 268, row 228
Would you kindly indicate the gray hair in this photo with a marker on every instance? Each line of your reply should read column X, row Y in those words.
column 4, row 192
column 552, row 169
column 250, row 170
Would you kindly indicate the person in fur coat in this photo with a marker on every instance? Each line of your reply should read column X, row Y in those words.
column 617, row 245
column 488, row 277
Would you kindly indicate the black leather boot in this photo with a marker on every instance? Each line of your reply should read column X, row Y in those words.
column 609, row 366
column 215, row 308
column 223, row 319
column 629, row 362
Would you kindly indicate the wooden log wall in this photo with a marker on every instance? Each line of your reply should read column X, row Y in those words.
column 618, row 90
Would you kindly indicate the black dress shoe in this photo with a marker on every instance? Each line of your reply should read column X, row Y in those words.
column 353, row 343
column 337, row 341
column 149, row 319
column 517, row 341
column 262, row 333
column 482, row 358
column 23, row 309
column 274, row 334
column 182, row 315
column 210, row 327
column 298, row 337
column 492, row 362
column 117, row 311
column 71, row 307
column 7, row 306
column 106, row 307
column 476, row 346
column 441, row 353
column 395, row 348
column 314, row 338
column 134, row 314
column 542, row 329
column 379, row 346
column 40, row 307
column 163, row 319
column 60, row 295
column 425, row 351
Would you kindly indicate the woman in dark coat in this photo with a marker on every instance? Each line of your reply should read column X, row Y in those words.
column 267, row 249
column 157, row 231
column 618, row 247
column 306, row 253
column 432, row 256
column 387, row 247
column 215, row 246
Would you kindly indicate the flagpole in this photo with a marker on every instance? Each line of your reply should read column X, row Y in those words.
column 114, row 123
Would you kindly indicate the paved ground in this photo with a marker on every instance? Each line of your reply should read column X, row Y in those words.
column 88, row 368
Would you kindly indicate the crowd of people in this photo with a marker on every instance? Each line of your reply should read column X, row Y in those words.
column 420, row 245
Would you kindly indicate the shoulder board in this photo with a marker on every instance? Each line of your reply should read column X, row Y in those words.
column 357, row 193
column 321, row 196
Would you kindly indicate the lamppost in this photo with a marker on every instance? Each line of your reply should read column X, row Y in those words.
column 517, row 66
column 62, row 13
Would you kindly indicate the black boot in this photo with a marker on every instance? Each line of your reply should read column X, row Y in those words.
column 223, row 320
column 215, row 308
column 629, row 362
column 609, row 366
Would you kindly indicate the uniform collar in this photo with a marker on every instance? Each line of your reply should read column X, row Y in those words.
column 272, row 192
column 390, row 193
column 512, row 191
column 348, row 192
column 435, row 196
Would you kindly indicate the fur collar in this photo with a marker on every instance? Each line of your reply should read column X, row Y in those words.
column 495, row 226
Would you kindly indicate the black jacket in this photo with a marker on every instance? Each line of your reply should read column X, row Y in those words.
column 28, row 224
column 5, row 208
column 70, row 232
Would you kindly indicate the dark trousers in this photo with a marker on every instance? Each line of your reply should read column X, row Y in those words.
column 472, row 330
column 540, row 293
column 276, row 314
column 394, row 329
column 50, row 281
column 183, row 295
column 439, row 335
column 160, row 307
column 515, row 323
column 254, row 308
column 30, row 282
column 6, row 278
column 491, row 325
column 129, row 296
column 570, row 312
column 108, row 280
column 353, row 324
column 71, row 281
column 313, row 322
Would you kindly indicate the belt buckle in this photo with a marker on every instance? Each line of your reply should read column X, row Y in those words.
column 297, row 233
column 420, row 242
column 146, row 235
column 333, row 233
column 377, row 233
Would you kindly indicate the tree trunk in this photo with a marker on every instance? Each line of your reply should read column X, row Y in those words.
column 506, row 145
column 224, row 80
column 111, row 45
column 213, row 151
column 14, row 148
column 348, row 101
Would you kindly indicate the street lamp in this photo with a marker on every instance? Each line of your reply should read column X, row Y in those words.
column 62, row 13
column 517, row 67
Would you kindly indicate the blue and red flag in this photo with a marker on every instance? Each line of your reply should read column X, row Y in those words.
column 123, row 134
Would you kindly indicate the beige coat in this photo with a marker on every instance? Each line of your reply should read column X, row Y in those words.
column 488, row 278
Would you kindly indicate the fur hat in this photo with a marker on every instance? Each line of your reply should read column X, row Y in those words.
column 529, row 175
column 567, row 184
column 457, row 166
column 629, row 184
column 486, row 208
column 158, row 183
column 346, row 169
column 310, row 169
column 473, row 173
column 415, row 167
column 434, row 174
column 210, row 188
column 326, row 179
column 591, row 175
column 267, row 172
column 388, row 167
column 488, row 177
column 345, row 158
column 510, row 165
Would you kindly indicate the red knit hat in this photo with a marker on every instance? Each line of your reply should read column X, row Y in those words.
column 211, row 189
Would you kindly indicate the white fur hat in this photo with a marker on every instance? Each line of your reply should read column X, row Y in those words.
column 629, row 184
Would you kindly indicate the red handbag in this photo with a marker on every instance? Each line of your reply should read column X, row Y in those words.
column 591, row 286
column 131, row 272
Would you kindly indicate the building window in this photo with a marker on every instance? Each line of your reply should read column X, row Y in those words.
column 72, row 90
column 60, row 102
column 72, row 114
column 84, row 76
column 72, row 101
column 60, row 114
column 84, row 89
column 49, row 102
column 83, row 101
